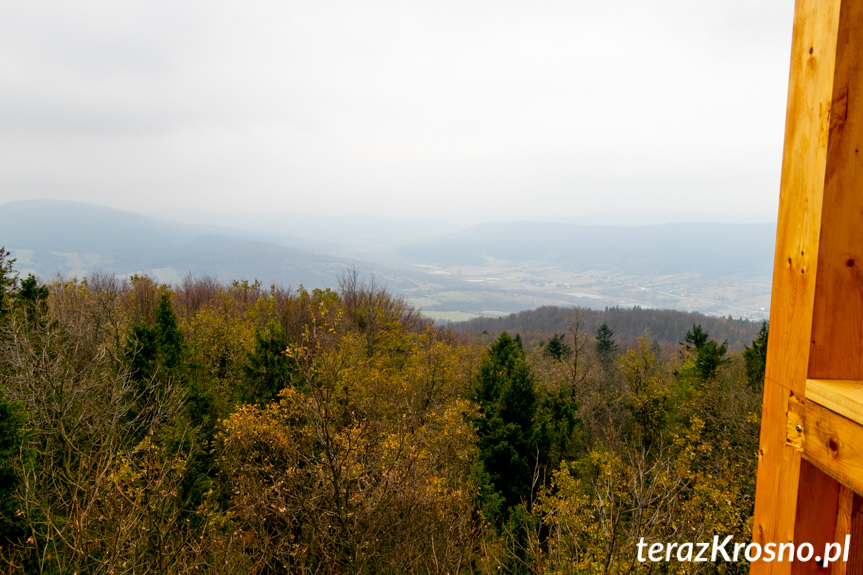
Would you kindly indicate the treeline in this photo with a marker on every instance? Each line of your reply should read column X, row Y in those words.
column 663, row 325
column 210, row 428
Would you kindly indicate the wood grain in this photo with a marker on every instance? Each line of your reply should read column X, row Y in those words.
column 844, row 509
column 804, row 165
column 837, row 329
column 829, row 441
column 842, row 396
column 816, row 515
column 855, row 559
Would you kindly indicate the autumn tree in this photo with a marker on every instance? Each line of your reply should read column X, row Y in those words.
column 361, row 464
column 226, row 428
column 81, row 424
column 647, row 393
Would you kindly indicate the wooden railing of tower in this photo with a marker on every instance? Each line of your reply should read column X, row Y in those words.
column 810, row 468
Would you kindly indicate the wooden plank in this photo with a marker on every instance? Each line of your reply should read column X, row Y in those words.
column 842, row 396
column 837, row 329
column 844, row 510
column 778, row 482
column 829, row 441
column 834, row 440
column 804, row 163
column 816, row 514
column 855, row 559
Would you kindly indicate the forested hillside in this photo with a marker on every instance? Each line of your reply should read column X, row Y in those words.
column 233, row 428
column 665, row 326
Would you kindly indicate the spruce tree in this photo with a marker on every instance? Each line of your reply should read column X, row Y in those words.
column 267, row 369
column 556, row 348
column 755, row 358
column 709, row 354
column 169, row 336
column 710, row 357
column 695, row 339
column 504, row 389
column 606, row 347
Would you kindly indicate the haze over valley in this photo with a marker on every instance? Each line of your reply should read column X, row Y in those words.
column 450, row 272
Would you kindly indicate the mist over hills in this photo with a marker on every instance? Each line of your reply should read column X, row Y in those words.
column 74, row 239
column 489, row 269
column 54, row 225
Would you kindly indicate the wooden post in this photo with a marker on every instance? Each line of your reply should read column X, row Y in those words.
column 811, row 448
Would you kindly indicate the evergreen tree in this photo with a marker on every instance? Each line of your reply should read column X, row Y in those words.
column 556, row 348
column 142, row 351
column 557, row 429
column 755, row 358
column 169, row 337
column 504, row 389
column 11, row 439
column 160, row 347
column 709, row 354
column 31, row 293
column 12, row 420
column 267, row 369
column 8, row 282
column 606, row 347
column 709, row 357
column 155, row 355
column 695, row 339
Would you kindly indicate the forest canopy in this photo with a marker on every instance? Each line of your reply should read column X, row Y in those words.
column 232, row 428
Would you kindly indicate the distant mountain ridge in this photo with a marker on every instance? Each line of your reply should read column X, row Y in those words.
column 488, row 269
column 65, row 226
column 71, row 238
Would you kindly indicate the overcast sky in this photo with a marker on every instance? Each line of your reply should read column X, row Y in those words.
column 465, row 109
